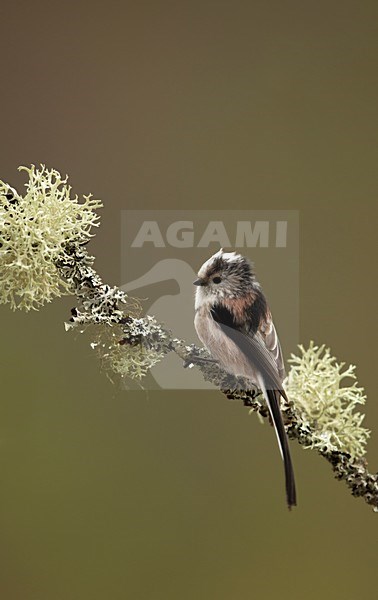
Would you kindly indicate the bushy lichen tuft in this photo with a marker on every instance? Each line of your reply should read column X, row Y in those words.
column 35, row 229
column 323, row 404
column 132, row 348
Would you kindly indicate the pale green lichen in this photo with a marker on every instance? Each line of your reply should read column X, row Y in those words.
column 323, row 404
column 35, row 229
column 132, row 348
column 134, row 363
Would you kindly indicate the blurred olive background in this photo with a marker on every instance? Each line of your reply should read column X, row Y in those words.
column 263, row 105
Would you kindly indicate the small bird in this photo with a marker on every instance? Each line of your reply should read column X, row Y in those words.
column 233, row 321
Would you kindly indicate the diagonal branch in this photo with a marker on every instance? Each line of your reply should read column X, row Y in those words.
column 101, row 304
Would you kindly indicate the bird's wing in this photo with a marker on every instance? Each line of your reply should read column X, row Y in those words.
column 252, row 345
column 272, row 343
column 262, row 359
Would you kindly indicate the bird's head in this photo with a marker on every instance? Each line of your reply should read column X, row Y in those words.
column 224, row 275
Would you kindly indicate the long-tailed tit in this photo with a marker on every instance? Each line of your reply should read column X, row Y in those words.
column 233, row 321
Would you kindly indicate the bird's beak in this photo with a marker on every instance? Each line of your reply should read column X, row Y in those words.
column 199, row 281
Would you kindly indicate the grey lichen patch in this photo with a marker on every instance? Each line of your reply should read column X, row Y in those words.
column 98, row 302
column 323, row 404
column 35, row 229
column 132, row 347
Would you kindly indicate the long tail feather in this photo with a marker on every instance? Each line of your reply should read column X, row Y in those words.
column 272, row 397
column 265, row 371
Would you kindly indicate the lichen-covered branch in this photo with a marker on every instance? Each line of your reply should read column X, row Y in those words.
column 330, row 427
column 42, row 255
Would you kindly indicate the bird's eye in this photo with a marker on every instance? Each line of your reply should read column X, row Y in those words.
column 217, row 280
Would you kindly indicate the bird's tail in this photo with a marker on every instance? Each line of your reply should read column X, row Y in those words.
column 273, row 400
